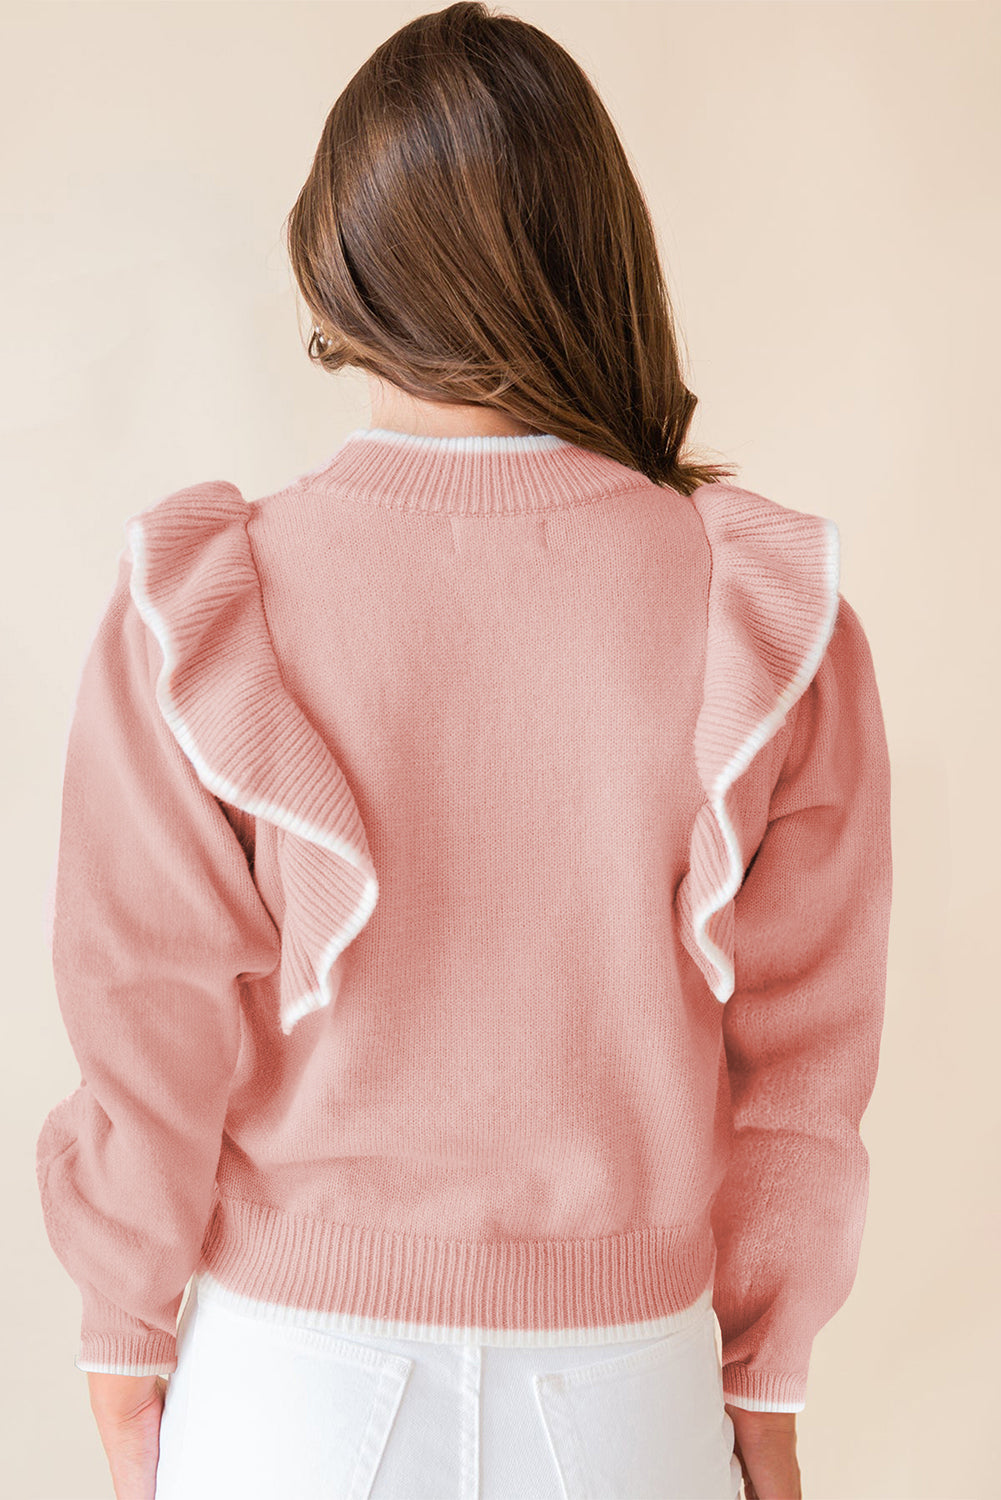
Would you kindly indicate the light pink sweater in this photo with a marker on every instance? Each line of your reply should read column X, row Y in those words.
column 471, row 912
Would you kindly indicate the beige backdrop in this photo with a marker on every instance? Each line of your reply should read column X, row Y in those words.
column 825, row 182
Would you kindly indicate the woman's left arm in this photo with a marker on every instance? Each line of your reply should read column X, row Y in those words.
column 156, row 918
column 127, row 1409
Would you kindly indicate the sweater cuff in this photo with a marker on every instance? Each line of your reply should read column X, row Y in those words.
column 128, row 1353
column 757, row 1390
column 114, row 1342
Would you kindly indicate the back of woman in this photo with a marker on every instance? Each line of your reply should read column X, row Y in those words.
column 474, row 875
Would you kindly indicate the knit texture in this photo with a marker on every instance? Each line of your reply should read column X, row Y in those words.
column 470, row 912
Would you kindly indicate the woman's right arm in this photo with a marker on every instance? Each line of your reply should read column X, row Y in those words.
column 802, row 1034
column 765, row 1444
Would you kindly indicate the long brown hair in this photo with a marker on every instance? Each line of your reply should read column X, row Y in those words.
column 471, row 231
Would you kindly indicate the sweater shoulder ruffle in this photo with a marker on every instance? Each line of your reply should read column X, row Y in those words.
column 195, row 583
column 772, row 605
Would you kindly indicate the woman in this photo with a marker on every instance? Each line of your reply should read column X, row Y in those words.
column 474, row 876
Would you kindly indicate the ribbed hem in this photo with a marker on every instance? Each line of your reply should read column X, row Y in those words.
column 481, row 475
column 517, row 1293
column 757, row 1390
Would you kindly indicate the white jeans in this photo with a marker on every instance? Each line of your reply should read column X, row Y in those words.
column 262, row 1411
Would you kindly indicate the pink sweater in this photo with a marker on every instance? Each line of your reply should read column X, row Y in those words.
column 471, row 911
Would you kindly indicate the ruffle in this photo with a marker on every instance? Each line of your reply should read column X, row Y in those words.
column 195, row 584
column 773, row 603
column 772, row 606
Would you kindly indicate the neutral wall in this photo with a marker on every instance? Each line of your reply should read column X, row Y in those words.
column 825, row 182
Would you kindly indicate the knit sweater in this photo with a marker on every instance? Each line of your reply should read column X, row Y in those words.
column 470, row 912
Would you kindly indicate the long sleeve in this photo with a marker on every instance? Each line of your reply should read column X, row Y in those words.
column 156, row 917
column 802, row 1032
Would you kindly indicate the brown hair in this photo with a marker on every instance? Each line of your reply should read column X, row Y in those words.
column 471, row 231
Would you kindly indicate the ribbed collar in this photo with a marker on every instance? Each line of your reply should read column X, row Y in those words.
column 496, row 475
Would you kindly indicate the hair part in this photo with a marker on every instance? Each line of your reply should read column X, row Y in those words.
column 471, row 231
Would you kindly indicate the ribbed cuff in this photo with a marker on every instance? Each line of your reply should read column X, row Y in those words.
column 127, row 1353
column 758, row 1390
column 114, row 1342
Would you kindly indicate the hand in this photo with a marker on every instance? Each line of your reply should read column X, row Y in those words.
column 127, row 1409
column 765, row 1444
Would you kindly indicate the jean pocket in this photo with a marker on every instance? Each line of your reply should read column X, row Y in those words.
column 278, row 1409
column 646, row 1425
